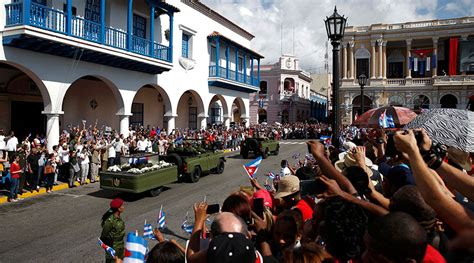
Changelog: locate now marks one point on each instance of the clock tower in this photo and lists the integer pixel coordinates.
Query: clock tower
(289, 62)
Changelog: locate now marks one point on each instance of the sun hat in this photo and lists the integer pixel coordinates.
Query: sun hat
(348, 145)
(288, 185)
(116, 203)
(347, 159)
(230, 248)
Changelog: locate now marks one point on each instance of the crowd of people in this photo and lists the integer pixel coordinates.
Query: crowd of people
(83, 151)
(362, 202)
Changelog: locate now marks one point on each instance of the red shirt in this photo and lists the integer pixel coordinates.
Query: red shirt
(433, 256)
(305, 209)
(15, 171)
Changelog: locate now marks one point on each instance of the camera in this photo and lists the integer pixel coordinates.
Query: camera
(391, 150)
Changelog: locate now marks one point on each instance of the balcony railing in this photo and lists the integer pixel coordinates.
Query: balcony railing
(454, 79)
(232, 75)
(422, 81)
(398, 82)
(56, 21)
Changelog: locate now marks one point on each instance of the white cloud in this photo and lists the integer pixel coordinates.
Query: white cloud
(264, 18)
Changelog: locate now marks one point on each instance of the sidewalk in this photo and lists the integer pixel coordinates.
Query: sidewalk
(42, 190)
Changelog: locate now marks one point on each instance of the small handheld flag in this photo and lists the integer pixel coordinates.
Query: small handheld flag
(271, 175)
(390, 122)
(108, 249)
(383, 120)
(161, 219)
(296, 156)
(148, 231)
(325, 139)
(185, 226)
(135, 248)
(252, 167)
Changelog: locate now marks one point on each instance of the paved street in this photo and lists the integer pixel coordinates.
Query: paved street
(64, 226)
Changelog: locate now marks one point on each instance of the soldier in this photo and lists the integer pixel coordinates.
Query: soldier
(113, 230)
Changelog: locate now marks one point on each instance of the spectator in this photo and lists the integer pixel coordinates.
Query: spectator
(49, 172)
(15, 171)
(113, 229)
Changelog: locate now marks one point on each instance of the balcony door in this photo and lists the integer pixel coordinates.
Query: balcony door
(92, 20)
(139, 31)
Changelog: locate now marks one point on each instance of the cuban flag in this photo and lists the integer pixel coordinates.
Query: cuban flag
(325, 139)
(271, 175)
(383, 120)
(252, 167)
(148, 231)
(108, 249)
(187, 227)
(390, 122)
(135, 249)
(161, 219)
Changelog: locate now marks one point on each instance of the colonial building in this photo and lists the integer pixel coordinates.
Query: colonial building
(425, 64)
(320, 94)
(169, 64)
(284, 94)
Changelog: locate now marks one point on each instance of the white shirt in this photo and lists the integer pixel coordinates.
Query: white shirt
(111, 152)
(149, 147)
(2, 142)
(12, 143)
(141, 145)
(118, 145)
(64, 155)
(284, 172)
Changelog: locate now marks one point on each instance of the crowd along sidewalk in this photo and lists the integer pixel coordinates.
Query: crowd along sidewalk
(42, 190)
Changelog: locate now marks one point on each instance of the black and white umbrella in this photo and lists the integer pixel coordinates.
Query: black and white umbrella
(451, 127)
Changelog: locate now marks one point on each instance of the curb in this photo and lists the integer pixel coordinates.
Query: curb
(42, 190)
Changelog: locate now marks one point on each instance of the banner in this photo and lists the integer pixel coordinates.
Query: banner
(453, 55)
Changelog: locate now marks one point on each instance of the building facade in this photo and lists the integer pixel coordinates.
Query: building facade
(173, 64)
(320, 93)
(284, 95)
(425, 64)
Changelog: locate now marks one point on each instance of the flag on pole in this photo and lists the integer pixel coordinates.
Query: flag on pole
(271, 175)
(161, 219)
(108, 249)
(187, 227)
(383, 119)
(252, 167)
(135, 249)
(325, 139)
(148, 231)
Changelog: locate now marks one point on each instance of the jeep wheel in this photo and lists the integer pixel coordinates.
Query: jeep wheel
(156, 192)
(195, 175)
(277, 151)
(245, 155)
(265, 154)
(220, 166)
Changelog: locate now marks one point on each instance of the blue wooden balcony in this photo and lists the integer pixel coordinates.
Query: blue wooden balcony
(231, 75)
(57, 21)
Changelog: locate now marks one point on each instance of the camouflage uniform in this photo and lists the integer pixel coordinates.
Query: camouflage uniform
(113, 232)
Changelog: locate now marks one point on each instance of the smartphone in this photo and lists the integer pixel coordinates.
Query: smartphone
(258, 206)
(212, 209)
(390, 150)
(312, 187)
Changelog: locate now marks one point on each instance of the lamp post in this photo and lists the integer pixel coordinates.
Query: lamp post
(362, 82)
(335, 26)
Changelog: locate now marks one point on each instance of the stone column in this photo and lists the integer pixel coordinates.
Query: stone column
(372, 59)
(434, 70)
(351, 61)
(203, 120)
(344, 60)
(408, 75)
(227, 121)
(52, 129)
(384, 60)
(124, 124)
(171, 123)
(380, 61)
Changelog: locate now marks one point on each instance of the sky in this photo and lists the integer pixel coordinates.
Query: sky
(303, 19)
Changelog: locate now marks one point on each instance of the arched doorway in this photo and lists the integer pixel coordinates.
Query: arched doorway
(23, 97)
(421, 102)
(356, 105)
(150, 105)
(190, 111)
(396, 100)
(94, 101)
(449, 101)
(238, 110)
(262, 115)
(217, 110)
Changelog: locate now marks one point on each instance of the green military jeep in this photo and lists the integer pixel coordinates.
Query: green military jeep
(139, 173)
(259, 147)
(193, 161)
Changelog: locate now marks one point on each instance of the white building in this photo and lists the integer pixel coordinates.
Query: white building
(284, 94)
(120, 63)
(422, 64)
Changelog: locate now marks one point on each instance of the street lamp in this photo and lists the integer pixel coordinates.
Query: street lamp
(362, 83)
(335, 26)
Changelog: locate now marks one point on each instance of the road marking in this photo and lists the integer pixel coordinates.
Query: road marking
(292, 142)
(71, 195)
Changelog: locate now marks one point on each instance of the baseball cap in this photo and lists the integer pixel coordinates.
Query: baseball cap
(288, 185)
(116, 203)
